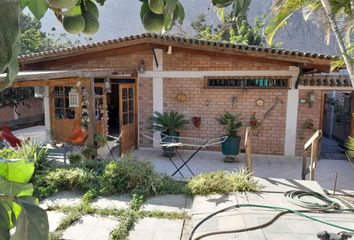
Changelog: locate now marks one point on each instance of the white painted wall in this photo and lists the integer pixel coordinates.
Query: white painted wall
(292, 109)
(157, 88)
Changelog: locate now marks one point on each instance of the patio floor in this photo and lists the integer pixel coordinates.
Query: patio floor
(273, 166)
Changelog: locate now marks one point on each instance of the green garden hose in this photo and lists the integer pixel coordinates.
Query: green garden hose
(295, 197)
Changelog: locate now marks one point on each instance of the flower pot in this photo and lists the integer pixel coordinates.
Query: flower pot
(231, 146)
(172, 138)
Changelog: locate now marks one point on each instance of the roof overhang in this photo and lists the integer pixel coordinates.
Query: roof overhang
(325, 82)
(304, 59)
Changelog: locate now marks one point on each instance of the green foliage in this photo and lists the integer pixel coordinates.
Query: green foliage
(17, 206)
(9, 14)
(54, 180)
(231, 30)
(169, 122)
(157, 15)
(131, 175)
(30, 152)
(282, 10)
(75, 158)
(232, 123)
(222, 182)
(90, 153)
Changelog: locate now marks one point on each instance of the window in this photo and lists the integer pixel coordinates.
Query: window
(247, 82)
(61, 103)
(128, 105)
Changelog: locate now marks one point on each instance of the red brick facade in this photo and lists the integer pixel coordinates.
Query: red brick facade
(210, 103)
(203, 102)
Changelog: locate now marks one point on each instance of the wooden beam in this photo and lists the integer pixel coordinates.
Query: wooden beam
(248, 150)
(91, 111)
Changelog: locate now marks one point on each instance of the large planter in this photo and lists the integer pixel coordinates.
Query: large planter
(231, 146)
(169, 151)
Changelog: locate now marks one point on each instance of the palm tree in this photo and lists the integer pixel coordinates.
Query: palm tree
(334, 15)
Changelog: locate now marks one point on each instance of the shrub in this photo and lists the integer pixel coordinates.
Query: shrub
(75, 158)
(90, 153)
(131, 175)
(63, 179)
(30, 152)
(223, 182)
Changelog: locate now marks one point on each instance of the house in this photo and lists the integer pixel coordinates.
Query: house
(125, 80)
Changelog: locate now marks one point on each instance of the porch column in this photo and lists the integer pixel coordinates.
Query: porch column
(157, 88)
(292, 109)
(46, 107)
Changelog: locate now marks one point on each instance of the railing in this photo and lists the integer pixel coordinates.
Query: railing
(314, 143)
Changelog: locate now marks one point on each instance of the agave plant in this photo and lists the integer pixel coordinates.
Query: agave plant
(232, 123)
(169, 122)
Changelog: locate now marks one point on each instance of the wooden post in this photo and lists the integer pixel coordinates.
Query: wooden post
(314, 143)
(248, 150)
(352, 116)
(91, 111)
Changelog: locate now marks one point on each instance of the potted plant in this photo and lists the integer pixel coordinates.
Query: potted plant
(232, 123)
(168, 123)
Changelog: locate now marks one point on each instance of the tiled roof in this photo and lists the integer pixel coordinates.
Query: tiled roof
(329, 81)
(174, 39)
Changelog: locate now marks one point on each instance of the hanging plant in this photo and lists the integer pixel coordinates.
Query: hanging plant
(84, 111)
(12, 97)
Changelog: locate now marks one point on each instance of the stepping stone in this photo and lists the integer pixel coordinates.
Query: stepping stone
(212, 203)
(65, 198)
(91, 228)
(168, 203)
(54, 219)
(157, 229)
(116, 201)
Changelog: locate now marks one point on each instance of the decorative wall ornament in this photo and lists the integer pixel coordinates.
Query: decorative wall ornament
(197, 121)
(181, 97)
(259, 102)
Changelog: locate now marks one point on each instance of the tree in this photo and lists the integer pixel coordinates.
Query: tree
(230, 30)
(335, 15)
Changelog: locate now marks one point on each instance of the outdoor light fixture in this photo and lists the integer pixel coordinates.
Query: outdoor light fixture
(39, 92)
(169, 50)
(108, 85)
(141, 67)
(73, 98)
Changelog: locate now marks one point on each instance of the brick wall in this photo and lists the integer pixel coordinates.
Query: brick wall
(145, 110)
(307, 113)
(182, 61)
(32, 107)
(210, 103)
(127, 63)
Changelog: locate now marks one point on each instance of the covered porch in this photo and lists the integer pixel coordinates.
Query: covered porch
(97, 101)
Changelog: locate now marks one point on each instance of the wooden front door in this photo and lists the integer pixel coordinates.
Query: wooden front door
(127, 117)
(63, 117)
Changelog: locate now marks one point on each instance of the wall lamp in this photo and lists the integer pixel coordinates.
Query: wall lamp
(141, 67)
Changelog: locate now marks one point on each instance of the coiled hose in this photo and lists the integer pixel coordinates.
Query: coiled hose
(328, 205)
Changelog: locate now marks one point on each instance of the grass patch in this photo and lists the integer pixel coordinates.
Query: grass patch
(163, 215)
(222, 182)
